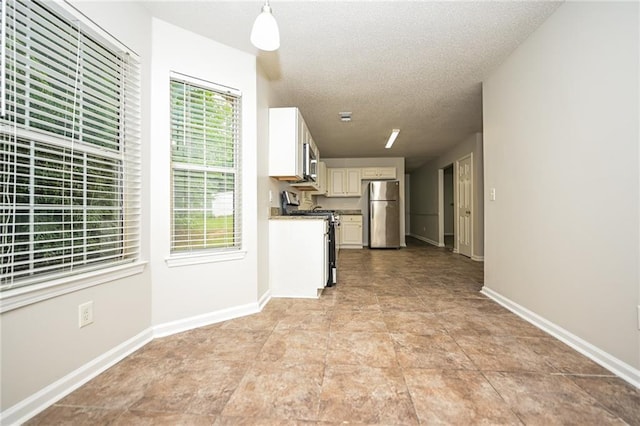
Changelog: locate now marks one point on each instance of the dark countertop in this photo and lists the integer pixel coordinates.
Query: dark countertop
(297, 217)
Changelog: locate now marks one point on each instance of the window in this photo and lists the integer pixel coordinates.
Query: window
(205, 167)
(69, 147)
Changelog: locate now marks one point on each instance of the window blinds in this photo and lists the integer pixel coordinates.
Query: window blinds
(205, 147)
(70, 149)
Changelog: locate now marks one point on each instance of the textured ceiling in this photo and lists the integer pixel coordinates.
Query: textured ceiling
(416, 66)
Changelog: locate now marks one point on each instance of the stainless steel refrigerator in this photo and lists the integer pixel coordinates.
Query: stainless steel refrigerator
(384, 214)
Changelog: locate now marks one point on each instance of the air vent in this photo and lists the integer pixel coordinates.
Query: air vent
(345, 117)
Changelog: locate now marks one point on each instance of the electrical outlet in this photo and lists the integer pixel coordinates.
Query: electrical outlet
(85, 314)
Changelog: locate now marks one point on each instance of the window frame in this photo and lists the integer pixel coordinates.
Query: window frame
(236, 251)
(127, 188)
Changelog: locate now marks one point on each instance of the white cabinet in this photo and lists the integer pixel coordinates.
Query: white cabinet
(343, 182)
(350, 231)
(378, 173)
(298, 264)
(321, 182)
(287, 134)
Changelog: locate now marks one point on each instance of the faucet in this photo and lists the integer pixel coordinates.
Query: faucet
(316, 208)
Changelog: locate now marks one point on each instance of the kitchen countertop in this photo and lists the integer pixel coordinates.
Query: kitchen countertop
(346, 212)
(297, 218)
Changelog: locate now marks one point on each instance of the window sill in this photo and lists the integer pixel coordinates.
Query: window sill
(24, 296)
(196, 259)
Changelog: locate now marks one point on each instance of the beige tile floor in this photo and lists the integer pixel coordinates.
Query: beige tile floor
(404, 339)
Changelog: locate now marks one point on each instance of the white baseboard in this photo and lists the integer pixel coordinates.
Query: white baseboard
(185, 324)
(52, 393)
(477, 258)
(57, 390)
(426, 240)
(608, 361)
(264, 299)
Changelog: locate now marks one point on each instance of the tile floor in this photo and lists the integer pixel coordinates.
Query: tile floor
(404, 339)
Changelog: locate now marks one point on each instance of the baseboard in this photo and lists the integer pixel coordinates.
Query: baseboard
(186, 324)
(52, 393)
(426, 240)
(29, 407)
(264, 299)
(477, 258)
(611, 363)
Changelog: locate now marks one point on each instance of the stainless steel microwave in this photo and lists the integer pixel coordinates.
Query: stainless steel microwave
(310, 163)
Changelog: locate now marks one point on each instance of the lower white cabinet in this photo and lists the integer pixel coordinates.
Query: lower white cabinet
(298, 264)
(350, 231)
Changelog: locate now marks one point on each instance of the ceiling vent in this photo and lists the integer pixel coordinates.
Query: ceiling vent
(345, 117)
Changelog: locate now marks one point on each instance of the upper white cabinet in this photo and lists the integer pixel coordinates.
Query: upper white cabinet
(287, 134)
(370, 173)
(321, 182)
(343, 182)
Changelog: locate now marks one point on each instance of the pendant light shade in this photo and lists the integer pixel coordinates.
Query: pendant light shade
(265, 34)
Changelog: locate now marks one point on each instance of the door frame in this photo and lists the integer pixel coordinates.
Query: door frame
(456, 173)
(441, 235)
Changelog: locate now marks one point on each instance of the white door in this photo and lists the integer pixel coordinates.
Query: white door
(465, 203)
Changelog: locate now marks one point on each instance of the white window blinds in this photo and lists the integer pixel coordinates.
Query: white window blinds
(69, 148)
(205, 163)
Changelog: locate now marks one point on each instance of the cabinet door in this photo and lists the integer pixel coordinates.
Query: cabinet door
(369, 173)
(285, 144)
(351, 233)
(336, 181)
(353, 182)
(322, 179)
(387, 173)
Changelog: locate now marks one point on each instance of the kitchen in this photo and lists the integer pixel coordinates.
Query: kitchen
(334, 191)
(216, 290)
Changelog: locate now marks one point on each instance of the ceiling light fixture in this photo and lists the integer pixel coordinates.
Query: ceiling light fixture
(392, 138)
(265, 34)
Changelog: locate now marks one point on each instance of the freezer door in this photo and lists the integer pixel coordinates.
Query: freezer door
(384, 224)
(384, 190)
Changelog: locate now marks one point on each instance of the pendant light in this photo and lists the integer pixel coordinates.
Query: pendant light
(265, 34)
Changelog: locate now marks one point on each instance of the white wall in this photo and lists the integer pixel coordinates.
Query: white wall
(424, 193)
(361, 203)
(44, 354)
(561, 148)
(41, 343)
(264, 182)
(189, 291)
